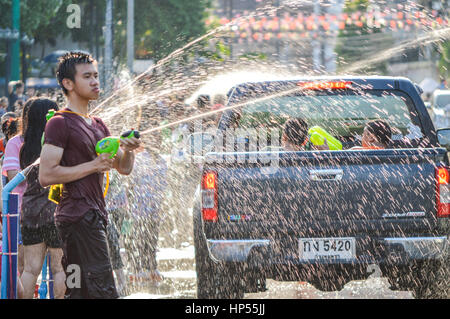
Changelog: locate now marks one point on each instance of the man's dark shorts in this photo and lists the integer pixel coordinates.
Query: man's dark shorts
(85, 245)
(47, 234)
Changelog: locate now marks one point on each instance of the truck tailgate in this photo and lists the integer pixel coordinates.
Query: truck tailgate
(331, 186)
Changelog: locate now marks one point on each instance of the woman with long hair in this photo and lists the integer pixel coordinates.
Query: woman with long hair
(39, 232)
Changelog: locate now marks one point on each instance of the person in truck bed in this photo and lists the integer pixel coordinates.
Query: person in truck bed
(295, 136)
(295, 133)
(377, 135)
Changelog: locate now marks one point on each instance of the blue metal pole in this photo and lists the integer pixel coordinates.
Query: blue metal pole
(5, 251)
(14, 231)
(10, 245)
(10, 255)
(14, 223)
(43, 287)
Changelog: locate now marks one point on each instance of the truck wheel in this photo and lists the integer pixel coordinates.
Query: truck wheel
(215, 280)
(431, 279)
(229, 284)
(255, 281)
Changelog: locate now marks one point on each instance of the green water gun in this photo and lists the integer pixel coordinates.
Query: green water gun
(111, 144)
(317, 136)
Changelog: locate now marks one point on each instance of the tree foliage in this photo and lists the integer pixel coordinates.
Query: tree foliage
(33, 14)
(161, 26)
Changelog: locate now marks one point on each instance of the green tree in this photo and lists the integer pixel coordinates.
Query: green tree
(162, 26)
(40, 20)
(35, 17)
(33, 14)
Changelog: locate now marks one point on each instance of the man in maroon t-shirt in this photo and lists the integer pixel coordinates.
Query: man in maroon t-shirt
(68, 157)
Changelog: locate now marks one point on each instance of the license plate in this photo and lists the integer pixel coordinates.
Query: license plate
(327, 248)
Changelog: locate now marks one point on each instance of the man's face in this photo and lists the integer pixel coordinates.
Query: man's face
(86, 83)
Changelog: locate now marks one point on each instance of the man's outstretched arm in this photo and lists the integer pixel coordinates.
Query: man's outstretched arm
(51, 172)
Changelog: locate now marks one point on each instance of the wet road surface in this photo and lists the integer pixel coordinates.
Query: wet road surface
(178, 268)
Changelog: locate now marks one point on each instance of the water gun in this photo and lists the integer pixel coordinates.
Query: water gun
(111, 145)
(317, 136)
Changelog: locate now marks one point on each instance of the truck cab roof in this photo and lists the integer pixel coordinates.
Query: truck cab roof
(373, 81)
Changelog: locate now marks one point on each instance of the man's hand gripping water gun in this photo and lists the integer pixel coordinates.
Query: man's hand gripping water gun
(110, 146)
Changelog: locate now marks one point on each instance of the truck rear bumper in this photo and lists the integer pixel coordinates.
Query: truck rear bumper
(422, 247)
(391, 249)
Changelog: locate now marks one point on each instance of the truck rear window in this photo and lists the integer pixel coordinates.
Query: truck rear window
(343, 114)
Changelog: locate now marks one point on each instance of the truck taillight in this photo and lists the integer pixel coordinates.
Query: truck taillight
(443, 191)
(209, 196)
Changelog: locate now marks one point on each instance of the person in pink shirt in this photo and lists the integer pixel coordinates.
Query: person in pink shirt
(11, 166)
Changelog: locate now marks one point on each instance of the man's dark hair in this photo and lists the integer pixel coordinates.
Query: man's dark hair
(18, 84)
(296, 131)
(381, 130)
(67, 63)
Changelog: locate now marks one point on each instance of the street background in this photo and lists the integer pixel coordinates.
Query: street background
(156, 57)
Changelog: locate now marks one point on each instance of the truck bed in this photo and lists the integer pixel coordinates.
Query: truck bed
(334, 193)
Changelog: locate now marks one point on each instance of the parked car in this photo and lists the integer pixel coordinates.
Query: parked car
(440, 108)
